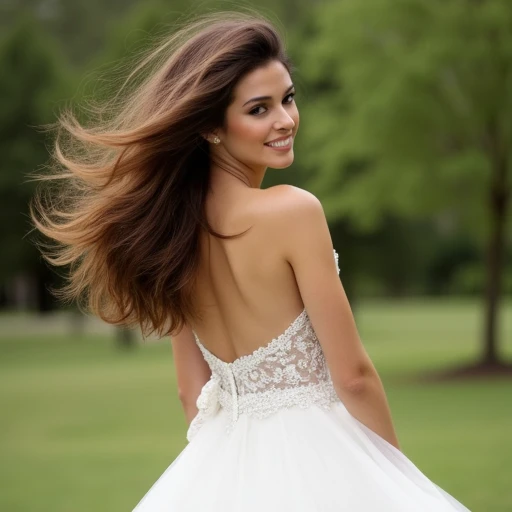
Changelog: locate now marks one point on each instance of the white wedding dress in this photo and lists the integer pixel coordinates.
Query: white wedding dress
(272, 435)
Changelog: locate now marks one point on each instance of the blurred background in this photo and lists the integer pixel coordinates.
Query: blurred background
(406, 137)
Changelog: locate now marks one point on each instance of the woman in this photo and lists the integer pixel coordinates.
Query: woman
(165, 226)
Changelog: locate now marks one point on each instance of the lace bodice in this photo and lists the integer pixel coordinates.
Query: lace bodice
(289, 371)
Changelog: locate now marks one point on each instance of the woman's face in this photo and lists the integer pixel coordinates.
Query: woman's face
(262, 121)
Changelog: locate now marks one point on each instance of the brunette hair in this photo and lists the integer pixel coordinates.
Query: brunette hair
(128, 210)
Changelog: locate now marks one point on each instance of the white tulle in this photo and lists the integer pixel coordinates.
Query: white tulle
(272, 435)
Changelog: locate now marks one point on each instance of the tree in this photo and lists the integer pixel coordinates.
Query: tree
(32, 79)
(412, 115)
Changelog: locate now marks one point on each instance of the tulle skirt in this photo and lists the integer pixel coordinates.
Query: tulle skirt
(297, 460)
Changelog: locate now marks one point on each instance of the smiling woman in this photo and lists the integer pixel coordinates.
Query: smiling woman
(163, 223)
(253, 125)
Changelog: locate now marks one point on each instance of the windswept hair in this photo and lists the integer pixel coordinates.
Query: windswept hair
(128, 208)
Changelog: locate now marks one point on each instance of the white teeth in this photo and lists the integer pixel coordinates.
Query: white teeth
(280, 143)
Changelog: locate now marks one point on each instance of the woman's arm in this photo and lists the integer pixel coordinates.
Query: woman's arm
(308, 247)
(192, 371)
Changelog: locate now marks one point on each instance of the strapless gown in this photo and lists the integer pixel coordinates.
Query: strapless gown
(271, 435)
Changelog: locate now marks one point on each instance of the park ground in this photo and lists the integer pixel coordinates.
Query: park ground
(89, 426)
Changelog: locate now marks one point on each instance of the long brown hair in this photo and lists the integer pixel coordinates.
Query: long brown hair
(128, 208)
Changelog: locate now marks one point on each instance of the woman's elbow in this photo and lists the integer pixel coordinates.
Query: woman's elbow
(188, 404)
(186, 398)
(359, 380)
(355, 387)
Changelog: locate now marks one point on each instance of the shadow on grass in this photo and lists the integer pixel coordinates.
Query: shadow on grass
(474, 371)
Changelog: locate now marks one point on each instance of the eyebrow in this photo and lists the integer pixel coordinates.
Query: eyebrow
(261, 98)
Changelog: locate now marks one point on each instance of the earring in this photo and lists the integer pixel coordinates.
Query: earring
(216, 140)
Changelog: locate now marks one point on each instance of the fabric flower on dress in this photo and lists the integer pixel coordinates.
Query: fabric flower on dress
(208, 404)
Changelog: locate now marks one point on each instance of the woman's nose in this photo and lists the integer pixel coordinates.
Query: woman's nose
(284, 121)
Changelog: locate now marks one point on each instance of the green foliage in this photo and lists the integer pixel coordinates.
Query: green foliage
(32, 80)
(80, 27)
(404, 98)
(83, 28)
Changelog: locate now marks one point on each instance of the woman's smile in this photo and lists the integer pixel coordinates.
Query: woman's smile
(281, 144)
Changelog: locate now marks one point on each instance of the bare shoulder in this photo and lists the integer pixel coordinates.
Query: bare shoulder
(291, 195)
(287, 203)
(290, 215)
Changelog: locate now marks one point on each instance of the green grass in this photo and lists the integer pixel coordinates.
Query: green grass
(87, 427)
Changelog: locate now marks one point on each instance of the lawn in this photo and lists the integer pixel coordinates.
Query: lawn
(88, 427)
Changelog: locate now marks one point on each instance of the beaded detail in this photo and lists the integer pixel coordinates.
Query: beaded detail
(289, 371)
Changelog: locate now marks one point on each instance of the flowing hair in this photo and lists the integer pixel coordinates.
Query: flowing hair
(123, 207)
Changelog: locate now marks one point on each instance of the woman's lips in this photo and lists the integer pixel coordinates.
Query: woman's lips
(283, 144)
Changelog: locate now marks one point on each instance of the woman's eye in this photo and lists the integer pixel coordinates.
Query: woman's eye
(256, 110)
(289, 98)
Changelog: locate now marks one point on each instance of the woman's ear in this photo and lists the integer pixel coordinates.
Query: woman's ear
(208, 136)
(212, 138)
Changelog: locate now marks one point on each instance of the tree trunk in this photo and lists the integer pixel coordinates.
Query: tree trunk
(499, 198)
(125, 338)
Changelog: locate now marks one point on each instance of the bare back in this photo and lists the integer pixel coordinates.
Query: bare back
(246, 290)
